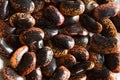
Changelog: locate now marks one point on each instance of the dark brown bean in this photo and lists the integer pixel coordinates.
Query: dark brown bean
(104, 45)
(35, 74)
(109, 29)
(27, 63)
(22, 20)
(72, 8)
(59, 39)
(80, 53)
(23, 5)
(54, 15)
(17, 56)
(68, 61)
(62, 73)
(44, 56)
(112, 62)
(31, 35)
(50, 68)
(106, 10)
(90, 24)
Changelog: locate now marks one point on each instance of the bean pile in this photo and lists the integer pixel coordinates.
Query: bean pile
(59, 39)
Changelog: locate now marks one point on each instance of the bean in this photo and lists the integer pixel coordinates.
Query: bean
(17, 56)
(80, 53)
(30, 35)
(54, 15)
(72, 8)
(18, 19)
(106, 10)
(44, 56)
(50, 68)
(23, 5)
(27, 63)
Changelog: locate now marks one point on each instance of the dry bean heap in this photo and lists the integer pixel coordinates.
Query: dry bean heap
(59, 39)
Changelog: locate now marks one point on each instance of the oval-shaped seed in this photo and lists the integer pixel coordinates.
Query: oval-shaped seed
(80, 53)
(72, 8)
(31, 35)
(50, 68)
(54, 15)
(21, 20)
(105, 45)
(90, 24)
(109, 29)
(26, 6)
(27, 63)
(17, 56)
(44, 56)
(59, 39)
(68, 61)
(106, 10)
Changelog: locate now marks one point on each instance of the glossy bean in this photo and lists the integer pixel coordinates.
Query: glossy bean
(27, 63)
(72, 8)
(31, 35)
